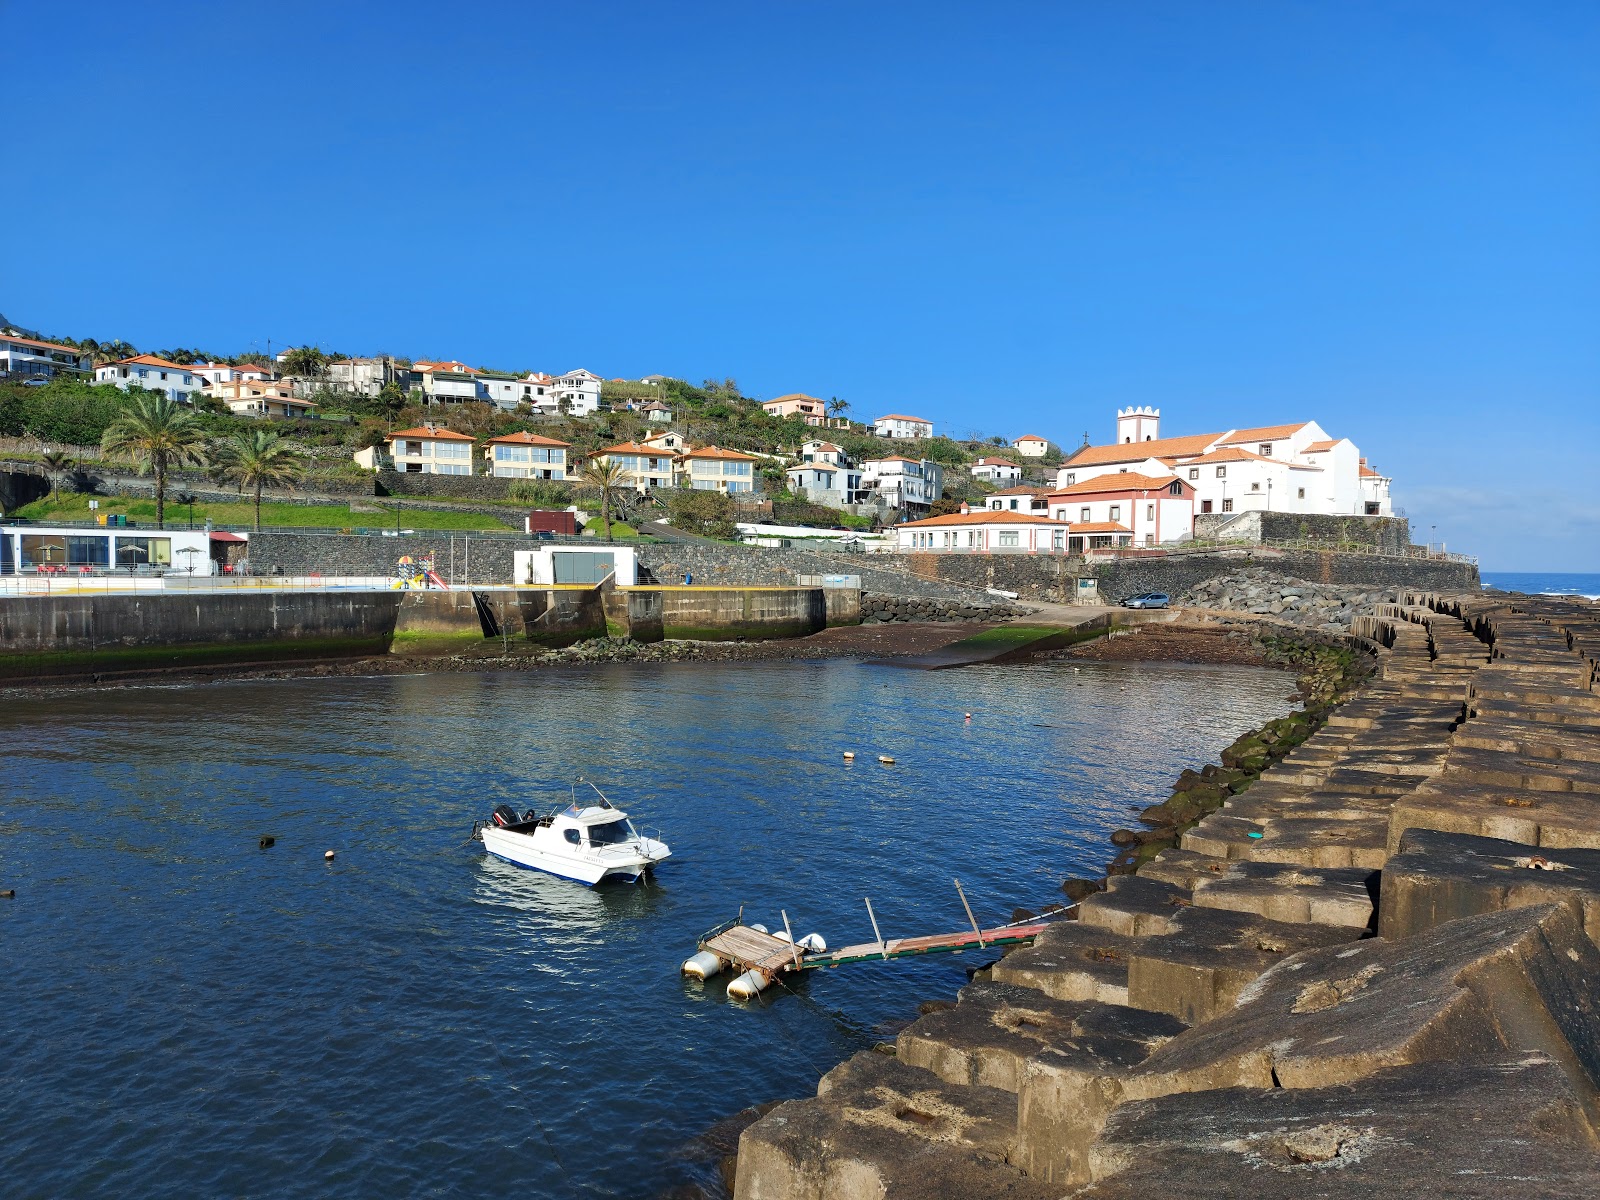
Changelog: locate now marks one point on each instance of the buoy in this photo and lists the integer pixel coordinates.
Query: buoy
(759, 928)
(704, 965)
(748, 986)
(968, 716)
(8, 894)
(849, 756)
(267, 841)
(782, 935)
(813, 942)
(886, 760)
(328, 854)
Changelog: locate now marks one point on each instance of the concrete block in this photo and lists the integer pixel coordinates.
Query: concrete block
(1467, 1131)
(1558, 820)
(1072, 961)
(1439, 877)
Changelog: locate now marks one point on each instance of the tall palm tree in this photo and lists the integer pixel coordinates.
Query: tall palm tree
(305, 361)
(158, 434)
(607, 478)
(55, 462)
(258, 458)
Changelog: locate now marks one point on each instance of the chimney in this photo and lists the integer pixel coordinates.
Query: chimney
(964, 508)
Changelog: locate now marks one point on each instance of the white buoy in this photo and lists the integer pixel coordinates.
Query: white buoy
(759, 928)
(782, 935)
(748, 986)
(704, 965)
(328, 854)
(886, 760)
(849, 756)
(813, 942)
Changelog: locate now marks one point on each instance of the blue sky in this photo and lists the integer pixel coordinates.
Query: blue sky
(1010, 218)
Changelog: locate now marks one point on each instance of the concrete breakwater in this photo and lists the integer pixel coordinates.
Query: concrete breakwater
(1369, 967)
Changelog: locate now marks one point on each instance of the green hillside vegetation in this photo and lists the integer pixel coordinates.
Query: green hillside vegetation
(73, 507)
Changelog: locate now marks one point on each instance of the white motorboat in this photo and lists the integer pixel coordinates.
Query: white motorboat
(587, 841)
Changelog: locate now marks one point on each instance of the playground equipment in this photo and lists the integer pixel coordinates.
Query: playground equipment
(417, 574)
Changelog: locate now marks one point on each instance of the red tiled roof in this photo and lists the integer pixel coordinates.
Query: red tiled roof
(22, 341)
(1265, 433)
(1319, 447)
(423, 433)
(528, 439)
(1122, 481)
(1100, 456)
(1368, 473)
(902, 417)
(984, 516)
(150, 360)
(718, 452)
(1231, 454)
(1100, 527)
(1032, 437)
(635, 448)
(794, 396)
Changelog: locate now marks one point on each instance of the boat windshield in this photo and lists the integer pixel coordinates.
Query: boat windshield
(612, 833)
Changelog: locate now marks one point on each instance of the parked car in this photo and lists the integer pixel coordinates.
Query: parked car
(1147, 600)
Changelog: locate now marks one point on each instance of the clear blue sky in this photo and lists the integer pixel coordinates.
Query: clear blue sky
(1010, 218)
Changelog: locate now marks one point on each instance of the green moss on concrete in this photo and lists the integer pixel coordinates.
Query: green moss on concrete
(106, 660)
(764, 632)
(424, 642)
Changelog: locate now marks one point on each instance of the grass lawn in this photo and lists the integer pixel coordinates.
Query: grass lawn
(75, 507)
(618, 529)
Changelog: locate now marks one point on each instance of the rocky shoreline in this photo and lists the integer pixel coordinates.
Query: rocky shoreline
(1354, 954)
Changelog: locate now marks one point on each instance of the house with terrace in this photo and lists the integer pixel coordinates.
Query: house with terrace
(996, 470)
(28, 358)
(260, 398)
(1020, 498)
(427, 450)
(981, 531)
(175, 380)
(1131, 508)
(898, 425)
(643, 466)
(712, 468)
(901, 484)
(527, 456)
(798, 404)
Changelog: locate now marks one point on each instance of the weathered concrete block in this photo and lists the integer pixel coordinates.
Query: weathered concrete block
(1467, 1131)
(1134, 905)
(1345, 897)
(881, 1130)
(1519, 771)
(1450, 804)
(988, 1037)
(1477, 989)
(1072, 961)
(1439, 877)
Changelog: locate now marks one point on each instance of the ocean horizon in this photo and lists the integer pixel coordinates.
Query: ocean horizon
(1549, 583)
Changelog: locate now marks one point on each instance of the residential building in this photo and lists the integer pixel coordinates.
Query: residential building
(897, 425)
(825, 475)
(578, 393)
(711, 468)
(983, 530)
(367, 376)
(996, 470)
(450, 366)
(178, 382)
(214, 373)
(527, 456)
(1374, 492)
(1021, 498)
(504, 391)
(259, 398)
(823, 452)
(430, 450)
(798, 404)
(656, 412)
(908, 485)
(1152, 510)
(643, 466)
(668, 440)
(77, 550)
(1031, 445)
(448, 383)
(1294, 467)
(30, 359)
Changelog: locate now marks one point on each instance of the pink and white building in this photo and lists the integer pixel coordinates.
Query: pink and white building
(981, 531)
(1126, 508)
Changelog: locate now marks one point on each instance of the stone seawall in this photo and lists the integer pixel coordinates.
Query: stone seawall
(1370, 968)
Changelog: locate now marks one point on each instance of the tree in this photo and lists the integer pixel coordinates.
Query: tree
(607, 478)
(55, 462)
(157, 434)
(707, 513)
(258, 458)
(390, 400)
(306, 361)
(837, 406)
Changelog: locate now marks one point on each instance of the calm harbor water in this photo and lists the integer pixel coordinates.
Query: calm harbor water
(188, 1015)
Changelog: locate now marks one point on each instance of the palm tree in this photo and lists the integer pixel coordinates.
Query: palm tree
(837, 406)
(158, 434)
(305, 361)
(55, 462)
(257, 458)
(608, 478)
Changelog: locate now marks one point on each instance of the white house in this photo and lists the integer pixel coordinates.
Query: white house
(27, 357)
(78, 550)
(527, 456)
(825, 475)
(367, 376)
(1021, 498)
(983, 530)
(1294, 467)
(996, 470)
(156, 374)
(1374, 492)
(578, 392)
(259, 398)
(214, 373)
(1031, 445)
(1151, 510)
(902, 484)
(897, 425)
(430, 450)
(667, 439)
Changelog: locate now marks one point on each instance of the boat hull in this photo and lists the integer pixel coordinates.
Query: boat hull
(522, 850)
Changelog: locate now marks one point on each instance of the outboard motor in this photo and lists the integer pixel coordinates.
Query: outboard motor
(505, 816)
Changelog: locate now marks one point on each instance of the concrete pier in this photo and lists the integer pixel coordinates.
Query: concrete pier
(1371, 966)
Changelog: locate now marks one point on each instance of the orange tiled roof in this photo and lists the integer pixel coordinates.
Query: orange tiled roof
(423, 433)
(1122, 452)
(429, 368)
(1032, 437)
(794, 396)
(984, 516)
(1231, 454)
(1100, 527)
(1122, 481)
(902, 417)
(1319, 447)
(1368, 473)
(718, 452)
(636, 448)
(22, 341)
(528, 439)
(1265, 433)
(150, 360)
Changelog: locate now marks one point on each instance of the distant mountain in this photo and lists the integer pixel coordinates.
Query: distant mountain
(18, 330)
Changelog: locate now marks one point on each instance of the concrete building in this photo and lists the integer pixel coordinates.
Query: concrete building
(1031, 445)
(897, 425)
(643, 466)
(449, 383)
(669, 440)
(259, 398)
(367, 376)
(430, 450)
(1153, 510)
(527, 456)
(77, 550)
(1021, 498)
(825, 475)
(1374, 491)
(712, 468)
(154, 374)
(1295, 467)
(578, 393)
(214, 373)
(996, 470)
(798, 404)
(907, 485)
(983, 530)
(26, 358)
(656, 412)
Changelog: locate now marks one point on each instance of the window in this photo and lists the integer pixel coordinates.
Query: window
(1194, 472)
(1227, 506)
(1255, 487)
(1058, 540)
(612, 833)
(1266, 450)
(1222, 472)
(1149, 539)
(1149, 512)
(1115, 514)
(144, 552)
(1175, 490)
(1205, 506)
(1083, 513)
(1302, 494)
(1061, 514)
(1008, 537)
(1070, 479)
(1013, 504)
